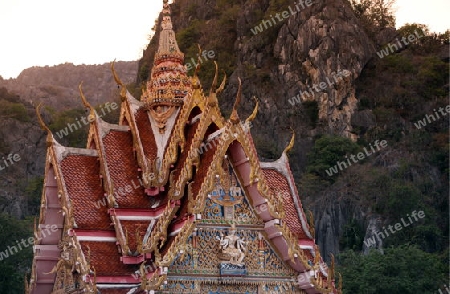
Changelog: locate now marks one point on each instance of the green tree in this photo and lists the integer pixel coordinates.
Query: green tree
(400, 270)
(14, 262)
(327, 151)
(375, 15)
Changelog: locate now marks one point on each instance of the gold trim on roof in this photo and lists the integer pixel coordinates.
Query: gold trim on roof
(43, 126)
(123, 88)
(86, 104)
(234, 115)
(291, 143)
(255, 111)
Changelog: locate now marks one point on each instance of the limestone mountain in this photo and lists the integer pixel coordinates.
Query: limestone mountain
(57, 86)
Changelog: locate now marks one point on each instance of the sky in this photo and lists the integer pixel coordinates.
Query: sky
(50, 32)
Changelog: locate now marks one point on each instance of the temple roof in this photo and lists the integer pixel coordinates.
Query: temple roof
(126, 206)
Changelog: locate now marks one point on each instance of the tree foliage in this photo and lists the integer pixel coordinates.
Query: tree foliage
(400, 270)
(375, 15)
(15, 266)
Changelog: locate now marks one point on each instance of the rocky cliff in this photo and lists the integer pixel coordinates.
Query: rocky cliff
(305, 52)
(309, 65)
(57, 86)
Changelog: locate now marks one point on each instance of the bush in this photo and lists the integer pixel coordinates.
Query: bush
(400, 270)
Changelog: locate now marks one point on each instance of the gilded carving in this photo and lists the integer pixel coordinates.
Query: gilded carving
(233, 247)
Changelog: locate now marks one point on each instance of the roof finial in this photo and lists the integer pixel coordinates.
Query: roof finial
(86, 104)
(291, 143)
(197, 67)
(214, 83)
(123, 90)
(255, 111)
(44, 126)
(234, 115)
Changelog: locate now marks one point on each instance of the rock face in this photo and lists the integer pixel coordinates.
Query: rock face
(57, 86)
(312, 47)
(26, 141)
(295, 69)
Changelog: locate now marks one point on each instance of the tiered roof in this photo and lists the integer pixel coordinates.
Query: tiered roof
(125, 206)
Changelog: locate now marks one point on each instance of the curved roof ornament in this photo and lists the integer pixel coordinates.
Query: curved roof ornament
(197, 67)
(234, 115)
(123, 91)
(291, 143)
(44, 126)
(222, 85)
(86, 104)
(255, 111)
(214, 82)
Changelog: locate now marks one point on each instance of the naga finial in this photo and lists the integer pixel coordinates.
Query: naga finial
(255, 111)
(44, 126)
(86, 104)
(291, 143)
(40, 120)
(234, 115)
(222, 85)
(123, 91)
(214, 82)
(197, 67)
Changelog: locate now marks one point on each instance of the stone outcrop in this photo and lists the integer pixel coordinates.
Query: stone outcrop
(57, 86)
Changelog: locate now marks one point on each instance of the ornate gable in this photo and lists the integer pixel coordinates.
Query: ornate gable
(173, 199)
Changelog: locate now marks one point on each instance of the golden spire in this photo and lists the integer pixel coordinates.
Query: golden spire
(168, 84)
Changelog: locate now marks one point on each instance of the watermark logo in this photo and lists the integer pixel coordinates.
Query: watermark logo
(204, 147)
(380, 235)
(72, 127)
(205, 56)
(123, 191)
(423, 123)
(281, 16)
(355, 158)
(446, 289)
(9, 160)
(322, 86)
(25, 243)
(394, 47)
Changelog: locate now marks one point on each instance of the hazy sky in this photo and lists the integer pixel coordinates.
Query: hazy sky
(49, 32)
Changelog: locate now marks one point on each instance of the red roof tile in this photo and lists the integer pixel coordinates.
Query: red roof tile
(280, 186)
(191, 130)
(82, 177)
(202, 170)
(105, 259)
(123, 169)
(132, 227)
(146, 134)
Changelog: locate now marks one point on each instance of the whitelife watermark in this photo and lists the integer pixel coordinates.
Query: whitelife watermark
(217, 139)
(355, 158)
(393, 46)
(281, 16)
(205, 56)
(446, 289)
(123, 191)
(30, 241)
(370, 242)
(322, 86)
(9, 161)
(72, 127)
(423, 123)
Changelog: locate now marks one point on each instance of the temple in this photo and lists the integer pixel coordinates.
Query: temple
(172, 199)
